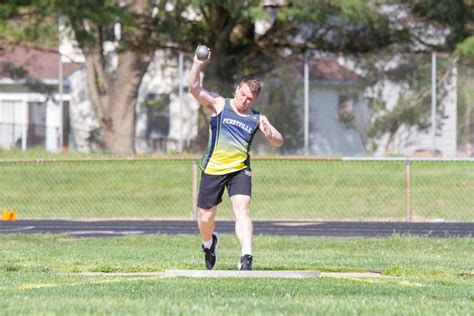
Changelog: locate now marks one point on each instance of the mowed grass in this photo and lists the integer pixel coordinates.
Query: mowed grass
(422, 276)
(282, 190)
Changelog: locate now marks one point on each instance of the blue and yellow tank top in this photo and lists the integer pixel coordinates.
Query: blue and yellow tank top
(230, 137)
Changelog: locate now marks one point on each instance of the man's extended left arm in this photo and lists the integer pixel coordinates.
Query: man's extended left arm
(272, 135)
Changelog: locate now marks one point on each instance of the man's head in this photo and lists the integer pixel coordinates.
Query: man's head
(246, 93)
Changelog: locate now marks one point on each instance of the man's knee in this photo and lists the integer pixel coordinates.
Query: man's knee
(206, 215)
(242, 211)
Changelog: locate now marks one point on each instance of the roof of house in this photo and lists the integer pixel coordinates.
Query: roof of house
(326, 69)
(330, 69)
(24, 61)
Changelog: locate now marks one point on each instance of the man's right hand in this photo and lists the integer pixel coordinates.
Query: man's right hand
(209, 99)
(202, 62)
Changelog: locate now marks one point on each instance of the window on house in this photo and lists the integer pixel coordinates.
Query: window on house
(345, 111)
(345, 103)
(158, 116)
(36, 123)
(11, 123)
(82, 95)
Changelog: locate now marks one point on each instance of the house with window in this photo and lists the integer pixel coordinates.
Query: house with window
(165, 117)
(334, 91)
(341, 106)
(34, 106)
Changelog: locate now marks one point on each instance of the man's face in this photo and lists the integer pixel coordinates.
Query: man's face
(244, 98)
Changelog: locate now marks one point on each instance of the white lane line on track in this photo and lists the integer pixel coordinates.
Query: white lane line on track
(16, 229)
(104, 232)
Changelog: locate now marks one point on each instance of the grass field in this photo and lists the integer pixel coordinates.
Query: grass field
(425, 276)
(282, 190)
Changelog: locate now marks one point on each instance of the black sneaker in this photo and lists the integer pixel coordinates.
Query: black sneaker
(245, 262)
(210, 255)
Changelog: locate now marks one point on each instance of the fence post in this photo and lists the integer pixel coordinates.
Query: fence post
(408, 215)
(306, 103)
(194, 189)
(180, 97)
(433, 103)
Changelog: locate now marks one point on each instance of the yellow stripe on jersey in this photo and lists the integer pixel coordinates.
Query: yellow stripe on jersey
(224, 162)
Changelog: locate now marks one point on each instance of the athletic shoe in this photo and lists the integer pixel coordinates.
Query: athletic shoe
(210, 255)
(245, 262)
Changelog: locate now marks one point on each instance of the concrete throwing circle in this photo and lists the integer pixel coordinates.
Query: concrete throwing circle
(295, 274)
(244, 274)
(212, 274)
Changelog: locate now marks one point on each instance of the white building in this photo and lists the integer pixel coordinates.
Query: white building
(33, 112)
(166, 115)
(335, 84)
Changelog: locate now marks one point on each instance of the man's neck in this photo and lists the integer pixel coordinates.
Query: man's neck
(236, 109)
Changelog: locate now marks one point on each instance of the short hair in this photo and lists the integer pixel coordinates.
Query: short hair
(253, 83)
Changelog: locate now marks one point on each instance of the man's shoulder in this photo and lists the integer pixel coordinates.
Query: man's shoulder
(220, 104)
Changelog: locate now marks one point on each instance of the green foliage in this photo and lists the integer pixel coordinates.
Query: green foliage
(26, 21)
(280, 101)
(466, 48)
(465, 106)
(455, 15)
(349, 26)
(413, 108)
(405, 113)
(347, 118)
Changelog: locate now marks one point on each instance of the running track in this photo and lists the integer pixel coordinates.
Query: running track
(332, 229)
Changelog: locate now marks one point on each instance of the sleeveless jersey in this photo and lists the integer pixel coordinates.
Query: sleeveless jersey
(230, 137)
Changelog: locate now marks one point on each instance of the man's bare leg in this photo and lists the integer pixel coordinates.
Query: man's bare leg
(210, 239)
(243, 223)
(206, 222)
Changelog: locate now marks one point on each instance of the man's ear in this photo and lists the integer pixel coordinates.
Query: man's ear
(236, 86)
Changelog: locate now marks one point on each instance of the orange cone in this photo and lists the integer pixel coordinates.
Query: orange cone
(12, 215)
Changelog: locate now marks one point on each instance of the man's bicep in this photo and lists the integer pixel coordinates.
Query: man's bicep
(263, 123)
(207, 98)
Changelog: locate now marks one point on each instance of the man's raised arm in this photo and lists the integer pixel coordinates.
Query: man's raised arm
(203, 96)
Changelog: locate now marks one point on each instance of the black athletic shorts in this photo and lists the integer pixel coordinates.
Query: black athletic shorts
(212, 187)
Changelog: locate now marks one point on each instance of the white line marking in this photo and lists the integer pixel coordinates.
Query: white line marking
(104, 232)
(297, 224)
(117, 274)
(16, 229)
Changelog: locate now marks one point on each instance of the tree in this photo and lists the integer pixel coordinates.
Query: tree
(427, 26)
(134, 30)
(118, 40)
(465, 51)
(453, 20)
(246, 37)
(252, 37)
(18, 23)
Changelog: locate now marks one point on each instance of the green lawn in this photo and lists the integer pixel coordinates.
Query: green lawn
(282, 190)
(427, 276)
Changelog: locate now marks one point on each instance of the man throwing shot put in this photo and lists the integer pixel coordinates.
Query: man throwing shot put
(226, 163)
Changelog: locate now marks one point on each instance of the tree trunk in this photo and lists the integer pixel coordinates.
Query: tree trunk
(468, 94)
(118, 135)
(114, 97)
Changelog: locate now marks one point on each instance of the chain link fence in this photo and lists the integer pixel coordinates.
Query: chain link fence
(291, 188)
(325, 105)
